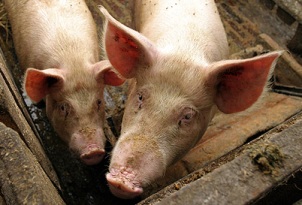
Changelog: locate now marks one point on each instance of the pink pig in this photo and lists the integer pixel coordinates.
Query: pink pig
(57, 42)
(179, 76)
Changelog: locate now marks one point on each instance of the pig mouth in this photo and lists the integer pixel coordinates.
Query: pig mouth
(122, 183)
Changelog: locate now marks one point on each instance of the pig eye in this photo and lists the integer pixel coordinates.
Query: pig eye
(140, 97)
(140, 100)
(186, 116)
(64, 109)
(99, 104)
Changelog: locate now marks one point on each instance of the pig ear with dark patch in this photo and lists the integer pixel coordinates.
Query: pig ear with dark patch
(126, 49)
(39, 83)
(239, 83)
(107, 74)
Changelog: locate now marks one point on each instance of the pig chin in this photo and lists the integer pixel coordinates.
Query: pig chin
(134, 166)
(88, 146)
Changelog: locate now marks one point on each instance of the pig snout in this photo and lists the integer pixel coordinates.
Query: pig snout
(92, 154)
(135, 163)
(89, 146)
(122, 183)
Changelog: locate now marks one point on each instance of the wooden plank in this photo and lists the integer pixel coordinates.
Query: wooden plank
(228, 132)
(22, 179)
(12, 101)
(247, 177)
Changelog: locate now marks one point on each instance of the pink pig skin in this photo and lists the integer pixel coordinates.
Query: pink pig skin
(56, 43)
(179, 76)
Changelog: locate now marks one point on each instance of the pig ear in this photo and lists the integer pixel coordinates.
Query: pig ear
(240, 83)
(126, 49)
(112, 78)
(39, 83)
(105, 73)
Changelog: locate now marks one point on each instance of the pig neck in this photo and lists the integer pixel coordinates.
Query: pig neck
(192, 29)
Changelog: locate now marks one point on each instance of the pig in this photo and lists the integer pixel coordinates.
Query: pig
(179, 74)
(56, 43)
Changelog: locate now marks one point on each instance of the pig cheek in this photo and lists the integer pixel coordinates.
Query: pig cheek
(51, 115)
(189, 136)
(131, 113)
(200, 127)
(57, 120)
(100, 114)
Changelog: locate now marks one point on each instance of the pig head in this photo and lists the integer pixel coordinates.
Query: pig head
(74, 105)
(56, 43)
(178, 78)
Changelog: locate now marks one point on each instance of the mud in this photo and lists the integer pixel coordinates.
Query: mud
(268, 158)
